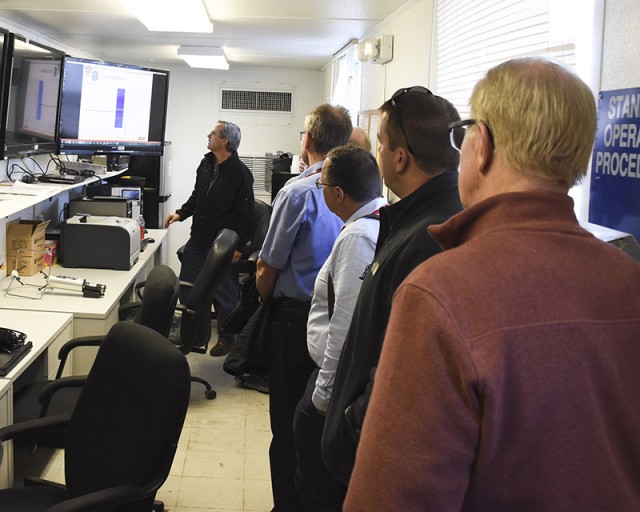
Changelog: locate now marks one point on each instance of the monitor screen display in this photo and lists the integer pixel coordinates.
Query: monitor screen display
(112, 108)
(32, 93)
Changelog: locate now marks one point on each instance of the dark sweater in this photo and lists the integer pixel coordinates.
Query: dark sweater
(228, 203)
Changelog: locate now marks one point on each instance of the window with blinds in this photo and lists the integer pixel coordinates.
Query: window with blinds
(473, 36)
(346, 79)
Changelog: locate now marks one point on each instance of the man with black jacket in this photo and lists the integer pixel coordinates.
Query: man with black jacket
(420, 167)
(222, 198)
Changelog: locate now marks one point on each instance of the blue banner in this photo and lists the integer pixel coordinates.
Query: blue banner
(615, 168)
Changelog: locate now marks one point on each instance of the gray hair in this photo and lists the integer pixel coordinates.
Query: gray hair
(231, 132)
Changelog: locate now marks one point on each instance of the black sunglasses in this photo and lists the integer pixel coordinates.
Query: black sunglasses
(396, 95)
(458, 129)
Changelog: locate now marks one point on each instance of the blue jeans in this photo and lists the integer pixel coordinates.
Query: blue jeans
(227, 295)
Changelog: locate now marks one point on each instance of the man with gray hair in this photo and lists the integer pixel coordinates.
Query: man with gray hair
(508, 378)
(222, 198)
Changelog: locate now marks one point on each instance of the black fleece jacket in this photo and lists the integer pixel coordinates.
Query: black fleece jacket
(228, 203)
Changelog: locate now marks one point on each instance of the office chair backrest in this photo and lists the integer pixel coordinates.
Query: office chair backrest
(200, 297)
(127, 422)
(159, 299)
(262, 216)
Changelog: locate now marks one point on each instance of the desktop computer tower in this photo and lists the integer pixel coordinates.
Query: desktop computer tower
(156, 171)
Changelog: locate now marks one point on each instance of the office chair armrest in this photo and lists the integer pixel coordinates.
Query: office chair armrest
(32, 426)
(186, 283)
(97, 500)
(56, 385)
(83, 341)
(247, 267)
(138, 289)
(128, 311)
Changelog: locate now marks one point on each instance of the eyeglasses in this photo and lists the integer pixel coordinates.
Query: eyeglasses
(458, 129)
(320, 184)
(396, 95)
(302, 134)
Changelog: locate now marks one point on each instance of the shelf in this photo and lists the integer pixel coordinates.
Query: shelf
(20, 195)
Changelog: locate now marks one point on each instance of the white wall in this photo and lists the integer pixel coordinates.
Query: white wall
(194, 109)
(621, 45)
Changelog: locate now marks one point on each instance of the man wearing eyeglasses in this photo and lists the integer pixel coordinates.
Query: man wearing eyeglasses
(522, 392)
(421, 168)
(222, 198)
(301, 234)
(352, 188)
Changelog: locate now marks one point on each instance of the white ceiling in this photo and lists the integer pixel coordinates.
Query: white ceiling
(272, 33)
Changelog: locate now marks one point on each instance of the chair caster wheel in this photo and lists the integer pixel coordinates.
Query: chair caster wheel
(211, 394)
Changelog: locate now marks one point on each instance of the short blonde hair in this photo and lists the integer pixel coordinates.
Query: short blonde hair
(541, 115)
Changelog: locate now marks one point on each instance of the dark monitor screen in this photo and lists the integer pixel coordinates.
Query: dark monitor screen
(112, 108)
(32, 93)
(4, 36)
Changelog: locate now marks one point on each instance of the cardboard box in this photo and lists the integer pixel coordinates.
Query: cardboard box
(28, 235)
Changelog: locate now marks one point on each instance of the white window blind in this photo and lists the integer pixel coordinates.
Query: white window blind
(346, 79)
(473, 36)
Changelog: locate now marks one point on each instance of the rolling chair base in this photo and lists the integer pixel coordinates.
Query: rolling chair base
(208, 391)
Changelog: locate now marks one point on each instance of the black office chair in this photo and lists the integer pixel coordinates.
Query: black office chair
(123, 433)
(249, 299)
(195, 313)
(248, 304)
(157, 296)
(262, 216)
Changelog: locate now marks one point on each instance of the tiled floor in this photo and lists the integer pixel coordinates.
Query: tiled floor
(222, 461)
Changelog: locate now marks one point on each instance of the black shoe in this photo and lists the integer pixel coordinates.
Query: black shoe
(222, 348)
(258, 382)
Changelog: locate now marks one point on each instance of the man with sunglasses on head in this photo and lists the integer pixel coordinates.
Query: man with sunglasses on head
(522, 392)
(420, 167)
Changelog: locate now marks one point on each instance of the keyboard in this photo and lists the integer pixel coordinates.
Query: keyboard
(60, 180)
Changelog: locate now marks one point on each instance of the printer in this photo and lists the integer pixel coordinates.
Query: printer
(92, 241)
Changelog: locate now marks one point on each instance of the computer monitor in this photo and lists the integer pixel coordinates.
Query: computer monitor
(112, 108)
(31, 95)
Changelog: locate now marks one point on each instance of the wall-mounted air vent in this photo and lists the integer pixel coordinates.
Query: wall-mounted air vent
(256, 101)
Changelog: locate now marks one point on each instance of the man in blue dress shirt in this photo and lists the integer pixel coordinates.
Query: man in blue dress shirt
(300, 237)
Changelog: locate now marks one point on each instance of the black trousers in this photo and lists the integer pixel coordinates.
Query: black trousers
(319, 490)
(291, 367)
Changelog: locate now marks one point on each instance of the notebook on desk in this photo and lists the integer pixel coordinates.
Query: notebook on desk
(9, 360)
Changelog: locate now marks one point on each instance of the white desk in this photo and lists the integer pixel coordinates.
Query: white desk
(47, 332)
(91, 316)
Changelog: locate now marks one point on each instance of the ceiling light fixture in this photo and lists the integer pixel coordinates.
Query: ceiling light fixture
(171, 16)
(209, 57)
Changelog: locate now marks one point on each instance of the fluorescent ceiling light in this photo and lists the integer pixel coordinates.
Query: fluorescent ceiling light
(171, 15)
(210, 57)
